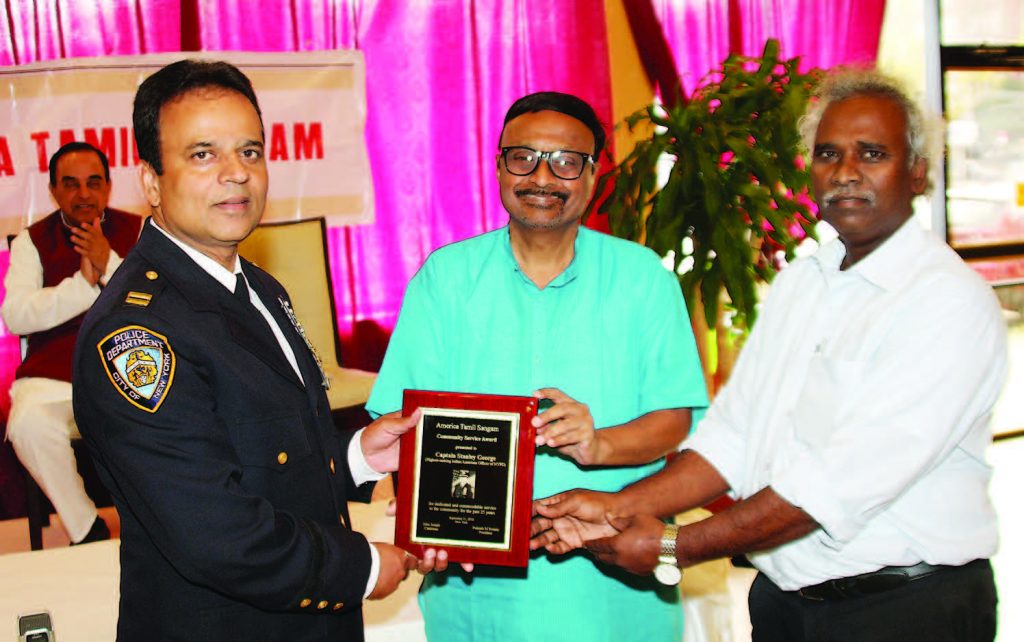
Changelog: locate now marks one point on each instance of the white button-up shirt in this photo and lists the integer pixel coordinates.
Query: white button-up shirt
(864, 397)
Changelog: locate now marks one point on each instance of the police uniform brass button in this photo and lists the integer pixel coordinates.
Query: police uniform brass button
(321, 604)
(152, 276)
(282, 457)
(332, 465)
(306, 602)
(338, 606)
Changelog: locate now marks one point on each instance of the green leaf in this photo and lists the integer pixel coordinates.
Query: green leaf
(720, 205)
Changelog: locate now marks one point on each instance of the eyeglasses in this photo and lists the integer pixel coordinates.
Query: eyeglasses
(564, 164)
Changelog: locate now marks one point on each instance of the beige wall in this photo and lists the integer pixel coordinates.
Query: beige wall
(630, 88)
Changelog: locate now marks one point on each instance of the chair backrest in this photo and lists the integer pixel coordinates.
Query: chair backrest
(295, 253)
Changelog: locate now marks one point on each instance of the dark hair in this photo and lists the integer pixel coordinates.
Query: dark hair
(173, 81)
(76, 147)
(562, 103)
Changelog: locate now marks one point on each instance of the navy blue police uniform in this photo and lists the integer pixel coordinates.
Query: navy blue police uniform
(228, 473)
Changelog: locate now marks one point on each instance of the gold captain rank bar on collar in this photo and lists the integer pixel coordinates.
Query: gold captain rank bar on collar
(140, 299)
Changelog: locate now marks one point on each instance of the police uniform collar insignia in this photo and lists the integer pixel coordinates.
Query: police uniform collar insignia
(140, 299)
(287, 307)
(140, 365)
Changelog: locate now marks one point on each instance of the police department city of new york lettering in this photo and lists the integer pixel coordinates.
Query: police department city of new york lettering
(140, 365)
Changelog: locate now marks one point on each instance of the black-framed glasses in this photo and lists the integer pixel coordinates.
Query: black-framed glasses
(563, 163)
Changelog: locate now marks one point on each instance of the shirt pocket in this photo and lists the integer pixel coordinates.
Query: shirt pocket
(823, 402)
(276, 442)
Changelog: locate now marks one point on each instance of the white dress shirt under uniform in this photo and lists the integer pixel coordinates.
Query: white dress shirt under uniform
(361, 471)
(864, 397)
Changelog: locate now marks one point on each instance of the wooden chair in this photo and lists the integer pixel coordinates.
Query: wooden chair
(295, 253)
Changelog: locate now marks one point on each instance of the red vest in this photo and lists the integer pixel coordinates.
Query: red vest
(49, 351)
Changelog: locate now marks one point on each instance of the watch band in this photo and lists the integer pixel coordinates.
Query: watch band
(668, 540)
(667, 571)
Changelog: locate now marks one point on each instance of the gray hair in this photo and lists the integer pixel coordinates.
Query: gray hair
(849, 83)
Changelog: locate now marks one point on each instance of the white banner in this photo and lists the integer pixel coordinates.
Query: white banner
(314, 112)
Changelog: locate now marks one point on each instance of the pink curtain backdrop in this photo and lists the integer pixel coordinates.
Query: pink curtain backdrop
(34, 30)
(824, 33)
(440, 76)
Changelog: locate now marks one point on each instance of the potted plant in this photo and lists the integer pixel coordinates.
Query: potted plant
(734, 203)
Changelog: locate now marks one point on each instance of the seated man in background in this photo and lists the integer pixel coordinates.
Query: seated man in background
(58, 266)
(853, 430)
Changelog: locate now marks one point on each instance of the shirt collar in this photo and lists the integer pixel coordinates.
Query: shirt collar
(888, 266)
(223, 276)
(570, 272)
(69, 225)
(830, 255)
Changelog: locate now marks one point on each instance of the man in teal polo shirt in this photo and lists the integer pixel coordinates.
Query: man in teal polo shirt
(546, 307)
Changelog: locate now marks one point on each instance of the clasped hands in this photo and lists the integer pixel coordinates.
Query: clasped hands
(603, 524)
(578, 519)
(93, 247)
(562, 523)
(599, 522)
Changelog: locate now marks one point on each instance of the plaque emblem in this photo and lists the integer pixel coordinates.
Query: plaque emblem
(139, 364)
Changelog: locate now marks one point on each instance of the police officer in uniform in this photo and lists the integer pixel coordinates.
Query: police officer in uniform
(205, 408)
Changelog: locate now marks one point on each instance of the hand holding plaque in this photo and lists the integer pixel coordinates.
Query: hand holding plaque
(466, 477)
(567, 425)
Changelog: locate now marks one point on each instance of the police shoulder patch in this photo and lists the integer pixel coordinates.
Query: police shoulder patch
(140, 364)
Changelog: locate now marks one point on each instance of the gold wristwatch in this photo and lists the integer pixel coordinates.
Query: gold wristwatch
(667, 571)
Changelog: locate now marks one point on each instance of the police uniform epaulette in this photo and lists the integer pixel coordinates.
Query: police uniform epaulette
(139, 291)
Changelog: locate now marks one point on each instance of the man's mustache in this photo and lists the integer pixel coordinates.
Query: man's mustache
(838, 194)
(536, 191)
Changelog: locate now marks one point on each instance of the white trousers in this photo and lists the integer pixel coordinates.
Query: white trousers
(40, 427)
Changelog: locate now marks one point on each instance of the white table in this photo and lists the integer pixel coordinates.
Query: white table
(79, 587)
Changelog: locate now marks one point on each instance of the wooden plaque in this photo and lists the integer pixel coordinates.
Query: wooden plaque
(465, 482)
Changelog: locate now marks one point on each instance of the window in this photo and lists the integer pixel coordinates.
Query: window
(982, 62)
(980, 54)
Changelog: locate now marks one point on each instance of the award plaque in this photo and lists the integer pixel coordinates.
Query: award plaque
(465, 480)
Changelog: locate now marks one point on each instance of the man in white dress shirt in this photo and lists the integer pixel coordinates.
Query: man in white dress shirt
(854, 427)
